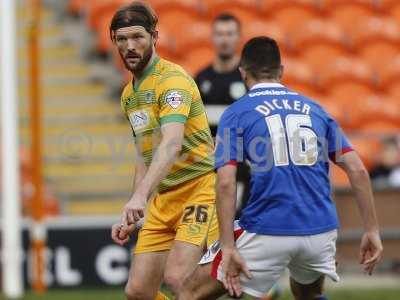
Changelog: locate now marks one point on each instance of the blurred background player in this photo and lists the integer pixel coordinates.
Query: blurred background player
(220, 83)
(174, 185)
(290, 220)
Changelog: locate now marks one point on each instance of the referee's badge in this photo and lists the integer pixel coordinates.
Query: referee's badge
(174, 99)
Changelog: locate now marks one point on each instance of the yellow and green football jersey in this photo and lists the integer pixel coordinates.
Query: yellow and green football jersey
(164, 94)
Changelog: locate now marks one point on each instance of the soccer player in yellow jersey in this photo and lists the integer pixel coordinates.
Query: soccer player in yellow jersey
(174, 172)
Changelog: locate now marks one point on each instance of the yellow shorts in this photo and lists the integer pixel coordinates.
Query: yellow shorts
(185, 213)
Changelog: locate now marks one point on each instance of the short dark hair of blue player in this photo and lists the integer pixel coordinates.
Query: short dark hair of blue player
(226, 17)
(261, 58)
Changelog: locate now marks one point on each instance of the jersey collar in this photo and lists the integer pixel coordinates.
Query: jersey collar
(266, 85)
(146, 73)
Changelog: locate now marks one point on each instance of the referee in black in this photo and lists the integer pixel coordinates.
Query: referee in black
(220, 83)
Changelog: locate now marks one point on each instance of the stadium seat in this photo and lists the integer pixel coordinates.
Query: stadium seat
(345, 13)
(380, 128)
(379, 53)
(269, 28)
(96, 10)
(190, 36)
(319, 54)
(367, 148)
(334, 108)
(199, 57)
(317, 30)
(297, 71)
(288, 17)
(269, 7)
(104, 42)
(165, 41)
(330, 5)
(347, 95)
(394, 10)
(176, 19)
(371, 109)
(343, 69)
(386, 6)
(370, 29)
(389, 74)
(160, 6)
(237, 7)
(393, 91)
(245, 15)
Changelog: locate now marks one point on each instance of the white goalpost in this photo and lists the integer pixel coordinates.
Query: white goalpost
(11, 254)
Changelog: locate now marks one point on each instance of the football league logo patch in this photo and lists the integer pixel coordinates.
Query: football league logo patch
(174, 99)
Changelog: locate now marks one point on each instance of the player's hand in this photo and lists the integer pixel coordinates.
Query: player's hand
(120, 233)
(233, 265)
(134, 209)
(370, 250)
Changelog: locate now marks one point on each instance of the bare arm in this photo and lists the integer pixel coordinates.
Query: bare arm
(140, 169)
(371, 246)
(163, 160)
(226, 203)
(360, 183)
(232, 262)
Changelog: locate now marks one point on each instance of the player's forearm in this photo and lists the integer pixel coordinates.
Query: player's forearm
(163, 160)
(361, 185)
(140, 172)
(226, 208)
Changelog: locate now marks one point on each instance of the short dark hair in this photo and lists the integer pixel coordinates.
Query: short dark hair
(226, 17)
(261, 58)
(136, 13)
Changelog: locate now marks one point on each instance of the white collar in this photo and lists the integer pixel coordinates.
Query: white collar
(265, 85)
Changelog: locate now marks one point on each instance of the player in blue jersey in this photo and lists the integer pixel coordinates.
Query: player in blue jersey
(290, 220)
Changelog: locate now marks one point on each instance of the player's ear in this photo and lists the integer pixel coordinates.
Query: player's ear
(112, 36)
(155, 37)
(280, 72)
(243, 73)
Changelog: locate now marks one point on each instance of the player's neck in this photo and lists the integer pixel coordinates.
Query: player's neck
(226, 66)
(138, 75)
(251, 83)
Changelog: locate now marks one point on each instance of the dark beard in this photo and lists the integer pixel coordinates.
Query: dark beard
(143, 63)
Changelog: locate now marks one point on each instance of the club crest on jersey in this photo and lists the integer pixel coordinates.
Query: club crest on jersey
(174, 99)
(139, 119)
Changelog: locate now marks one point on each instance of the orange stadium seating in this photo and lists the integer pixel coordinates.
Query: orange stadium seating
(379, 53)
(316, 31)
(271, 28)
(344, 13)
(344, 54)
(269, 7)
(343, 68)
(288, 17)
(320, 60)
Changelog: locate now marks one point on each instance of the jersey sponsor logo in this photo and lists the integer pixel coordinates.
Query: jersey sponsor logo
(271, 93)
(174, 99)
(139, 119)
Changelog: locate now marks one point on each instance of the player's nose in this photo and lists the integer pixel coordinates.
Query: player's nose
(131, 44)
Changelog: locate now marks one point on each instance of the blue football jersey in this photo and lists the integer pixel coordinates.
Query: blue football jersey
(288, 140)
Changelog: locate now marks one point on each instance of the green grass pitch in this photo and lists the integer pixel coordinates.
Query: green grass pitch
(109, 294)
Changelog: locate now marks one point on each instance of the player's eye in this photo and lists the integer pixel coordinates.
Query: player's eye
(121, 39)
